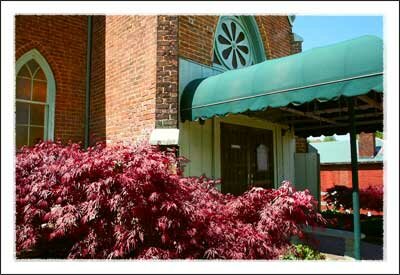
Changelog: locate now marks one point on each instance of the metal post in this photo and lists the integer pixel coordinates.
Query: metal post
(354, 173)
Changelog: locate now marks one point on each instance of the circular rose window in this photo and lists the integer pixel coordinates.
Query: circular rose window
(232, 44)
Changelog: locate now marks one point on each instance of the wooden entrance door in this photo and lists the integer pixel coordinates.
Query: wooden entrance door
(246, 158)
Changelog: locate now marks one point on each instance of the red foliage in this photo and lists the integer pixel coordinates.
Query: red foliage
(133, 202)
(340, 196)
(372, 198)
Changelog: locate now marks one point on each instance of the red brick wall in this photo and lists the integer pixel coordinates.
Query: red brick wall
(167, 72)
(134, 75)
(62, 42)
(368, 175)
(129, 77)
(196, 36)
(276, 33)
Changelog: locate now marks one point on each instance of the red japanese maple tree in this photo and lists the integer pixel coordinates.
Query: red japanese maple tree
(133, 202)
(340, 196)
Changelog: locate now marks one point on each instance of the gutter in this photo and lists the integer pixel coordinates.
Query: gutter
(88, 77)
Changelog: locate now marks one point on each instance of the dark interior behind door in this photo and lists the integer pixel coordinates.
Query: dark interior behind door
(246, 158)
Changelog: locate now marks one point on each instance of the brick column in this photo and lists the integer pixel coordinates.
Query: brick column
(167, 72)
(366, 145)
(130, 58)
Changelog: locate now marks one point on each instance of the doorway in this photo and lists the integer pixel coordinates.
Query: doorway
(246, 158)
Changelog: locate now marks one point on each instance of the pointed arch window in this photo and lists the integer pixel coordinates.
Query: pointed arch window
(34, 100)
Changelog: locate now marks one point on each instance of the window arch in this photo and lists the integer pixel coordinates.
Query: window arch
(237, 43)
(34, 99)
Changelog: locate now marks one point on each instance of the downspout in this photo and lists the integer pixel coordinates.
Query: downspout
(88, 76)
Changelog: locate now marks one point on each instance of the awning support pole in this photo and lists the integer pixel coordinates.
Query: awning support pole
(354, 173)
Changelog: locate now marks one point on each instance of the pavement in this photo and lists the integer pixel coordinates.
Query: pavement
(334, 257)
(334, 249)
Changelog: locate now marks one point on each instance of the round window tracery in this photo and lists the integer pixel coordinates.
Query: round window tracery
(232, 45)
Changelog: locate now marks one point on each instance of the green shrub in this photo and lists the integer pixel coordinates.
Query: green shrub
(302, 252)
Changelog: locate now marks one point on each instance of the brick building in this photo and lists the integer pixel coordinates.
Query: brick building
(122, 78)
(335, 163)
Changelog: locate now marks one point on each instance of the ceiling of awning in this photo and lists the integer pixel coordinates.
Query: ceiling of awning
(321, 77)
(317, 118)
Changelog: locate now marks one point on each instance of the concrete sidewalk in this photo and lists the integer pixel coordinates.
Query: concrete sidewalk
(334, 248)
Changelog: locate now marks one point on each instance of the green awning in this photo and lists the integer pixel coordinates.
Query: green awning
(349, 68)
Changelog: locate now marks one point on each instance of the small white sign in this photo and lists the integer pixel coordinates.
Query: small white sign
(164, 137)
(262, 157)
(235, 146)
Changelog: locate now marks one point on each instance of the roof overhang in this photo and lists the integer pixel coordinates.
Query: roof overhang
(320, 77)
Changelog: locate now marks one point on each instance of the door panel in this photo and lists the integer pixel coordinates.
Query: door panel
(234, 159)
(246, 158)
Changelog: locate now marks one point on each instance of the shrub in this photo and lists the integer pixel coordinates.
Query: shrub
(133, 202)
(340, 196)
(302, 252)
(372, 198)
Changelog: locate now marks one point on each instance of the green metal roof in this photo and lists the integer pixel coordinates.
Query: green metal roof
(349, 68)
(339, 151)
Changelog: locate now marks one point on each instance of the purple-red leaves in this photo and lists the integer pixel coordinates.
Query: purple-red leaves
(340, 197)
(133, 202)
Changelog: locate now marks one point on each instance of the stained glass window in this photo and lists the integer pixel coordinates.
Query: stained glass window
(31, 104)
